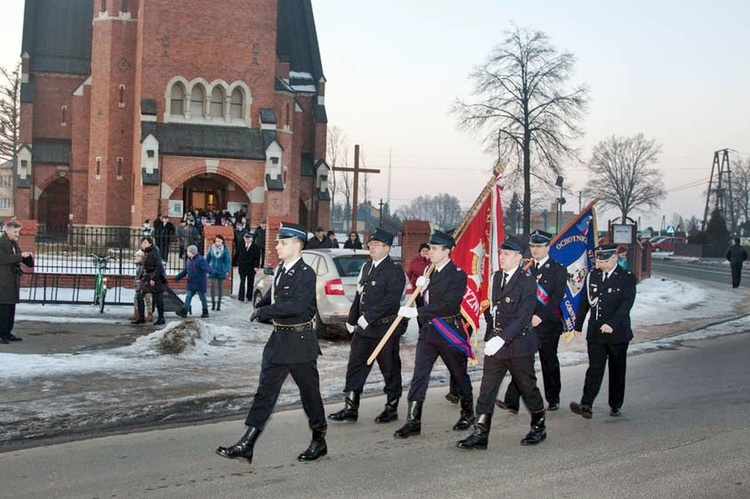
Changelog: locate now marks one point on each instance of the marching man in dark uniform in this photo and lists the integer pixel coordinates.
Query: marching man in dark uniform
(551, 280)
(292, 348)
(610, 293)
(510, 346)
(442, 295)
(380, 286)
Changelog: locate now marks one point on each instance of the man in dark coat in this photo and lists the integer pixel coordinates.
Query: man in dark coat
(153, 281)
(380, 286)
(609, 296)
(260, 241)
(319, 240)
(164, 235)
(736, 254)
(510, 346)
(442, 295)
(248, 261)
(11, 258)
(291, 349)
(551, 280)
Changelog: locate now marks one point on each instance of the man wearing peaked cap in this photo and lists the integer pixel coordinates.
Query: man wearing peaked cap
(513, 244)
(609, 296)
(292, 348)
(551, 280)
(248, 260)
(375, 306)
(443, 293)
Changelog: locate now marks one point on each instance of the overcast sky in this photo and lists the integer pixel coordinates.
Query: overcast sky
(677, 71)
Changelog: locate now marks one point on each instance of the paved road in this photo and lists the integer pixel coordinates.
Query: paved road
(684, 434)
(713, 272)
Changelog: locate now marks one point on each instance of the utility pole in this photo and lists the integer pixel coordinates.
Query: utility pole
(580, 201)
(720, 187)
(380, 222)
(357, 170)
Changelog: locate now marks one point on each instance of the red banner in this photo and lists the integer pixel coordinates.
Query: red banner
(476, 253)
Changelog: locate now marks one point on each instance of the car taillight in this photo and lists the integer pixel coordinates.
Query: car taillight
(334, 287)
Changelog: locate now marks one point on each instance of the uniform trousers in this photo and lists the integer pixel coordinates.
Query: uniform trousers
(272, 377)
(388, 359)
(522, 371)
(428, 350)
(599, 354)
(550, 370)
(7, 318)
(736, 274)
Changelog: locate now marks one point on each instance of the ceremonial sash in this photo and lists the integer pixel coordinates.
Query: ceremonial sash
(543, 297)
(456, 340)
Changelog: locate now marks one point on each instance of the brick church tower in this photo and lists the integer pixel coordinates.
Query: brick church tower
(133, 108)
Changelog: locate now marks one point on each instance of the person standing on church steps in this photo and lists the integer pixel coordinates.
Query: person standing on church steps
(551, 280)
(260, 241)
(736, 255)
(292, 348)
(374, 308)
(510, 346)
(248, 261)
(442, 294)
(609, 296)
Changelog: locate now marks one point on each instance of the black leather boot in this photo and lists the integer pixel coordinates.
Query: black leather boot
(478, 439)
(467, 415)
(204, 314)
(182, 313)
(350, 412)
(213, 304)
(390, 413)
(413, 425)
(218, 305)
(538, 429)
(244, 448)
(318, 447)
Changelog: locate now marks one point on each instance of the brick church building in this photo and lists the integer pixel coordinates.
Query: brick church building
(131, 108)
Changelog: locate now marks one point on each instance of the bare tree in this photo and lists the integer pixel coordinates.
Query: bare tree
(524, 108)
(621, 174)
(442, 210)
(338, 152)
(10, 112)
(741, 191)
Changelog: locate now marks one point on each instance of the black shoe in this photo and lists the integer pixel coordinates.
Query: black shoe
(390, 412)
(204, 315)
(581, 409)
(538, 431)
(478, 439)
(615, 412)
(467, 415)
(553, 406)
(182, 313)
(510, 408)
(414, 424)
(317, 449)
(139, 321)
(452, 398)
(159, 321)
(244, 448)
(350, 412)
(218, 307)
(213, 306)
(4, 340)
(240, 299)
(13, 337)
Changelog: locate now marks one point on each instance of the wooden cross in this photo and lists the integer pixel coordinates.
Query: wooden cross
(356, 171)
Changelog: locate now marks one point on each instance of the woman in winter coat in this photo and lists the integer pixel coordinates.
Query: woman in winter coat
(11, 258)
(195, 269)
(219, 259)
(353, 242)
(153, 280)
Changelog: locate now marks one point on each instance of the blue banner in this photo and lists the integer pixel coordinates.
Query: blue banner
(574, 247)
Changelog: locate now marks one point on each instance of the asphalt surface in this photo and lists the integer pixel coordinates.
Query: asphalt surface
(684, 433)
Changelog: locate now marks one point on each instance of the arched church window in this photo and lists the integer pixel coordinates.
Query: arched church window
(197, 97)
(217, 102)
(177, 98)
(237, 104)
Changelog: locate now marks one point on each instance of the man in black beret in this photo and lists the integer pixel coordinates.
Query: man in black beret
(610, 294)
(551, 281)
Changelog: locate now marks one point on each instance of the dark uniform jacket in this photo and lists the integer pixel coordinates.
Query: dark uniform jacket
(609, 303)
(248, 259)
(553, 277)
(736, 254)
(294, 303)
(513, 307)
(378, 297)
(10, 270)
(446, 291)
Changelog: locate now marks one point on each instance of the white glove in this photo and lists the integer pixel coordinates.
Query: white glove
(493, 346)
(408, 312)
(350, 328)
(362, 322)
(422, 282)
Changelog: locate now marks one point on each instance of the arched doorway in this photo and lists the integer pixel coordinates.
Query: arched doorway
(54, 205)
(209, 192)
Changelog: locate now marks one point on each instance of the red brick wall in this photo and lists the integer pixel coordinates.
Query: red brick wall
(79, 166)
(51, 92)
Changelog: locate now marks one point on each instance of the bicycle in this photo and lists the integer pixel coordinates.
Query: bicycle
(100, 282)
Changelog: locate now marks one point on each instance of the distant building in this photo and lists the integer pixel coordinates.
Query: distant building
(546, 220)
(131, 108)
(6, 189)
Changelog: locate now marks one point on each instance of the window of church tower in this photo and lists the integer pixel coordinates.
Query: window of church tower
(235, 110)
(177, 98)
(217, 103)
(119, 169)
(197, 97)
(124, 7)
(64, 116)
(103, 6)
(121, 102)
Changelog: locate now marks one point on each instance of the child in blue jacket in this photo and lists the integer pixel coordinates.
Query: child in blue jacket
(196, 269)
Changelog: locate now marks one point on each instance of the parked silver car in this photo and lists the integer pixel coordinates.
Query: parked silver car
(337, 271)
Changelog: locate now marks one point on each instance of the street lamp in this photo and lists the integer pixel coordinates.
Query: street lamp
(560, 202)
